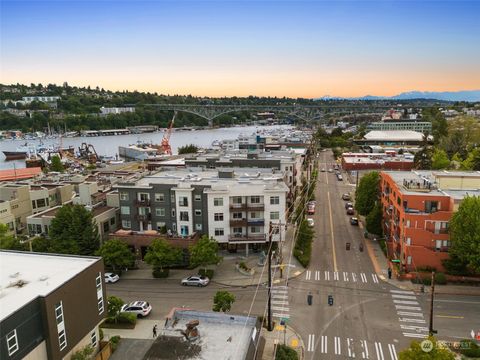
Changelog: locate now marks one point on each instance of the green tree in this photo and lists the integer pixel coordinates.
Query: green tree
(439, 123)
(472, 162)
(204, 252)
(285, 352)
(73, 231)
(374, 220)
(114, 305)
(9, 242)
(188, 149)
(465, 233)
(223, 301)
(440, 159)
(367, 193)
(56, 164)
(415, 352)
(83, 354)
(116, 254)
(161, 254)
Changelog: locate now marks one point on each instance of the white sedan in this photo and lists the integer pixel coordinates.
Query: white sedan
(196, 280)
(111, 278)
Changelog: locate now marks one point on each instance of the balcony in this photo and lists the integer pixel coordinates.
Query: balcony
(238, 222)
(255, 206)
(256, 222)
(433, 230)
(244, 237)
(145, 202)
(237, 206)
(144, 217)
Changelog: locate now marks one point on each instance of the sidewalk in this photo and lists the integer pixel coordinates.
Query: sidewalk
(280, 336)
(226, 274)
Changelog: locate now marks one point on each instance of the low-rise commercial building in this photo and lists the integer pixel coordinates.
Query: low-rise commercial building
(389, 160)
(51, 305)
(417, 208)
(419, 126)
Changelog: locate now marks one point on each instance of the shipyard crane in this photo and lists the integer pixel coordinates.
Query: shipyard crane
(167, 149)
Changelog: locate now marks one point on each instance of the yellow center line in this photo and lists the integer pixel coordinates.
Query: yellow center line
(449, 316)
(331, 233)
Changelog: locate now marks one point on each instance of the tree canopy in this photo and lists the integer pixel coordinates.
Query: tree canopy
(204, 252)
(223, 301)
(73, 231)
(56, 164)
(440, 159)
(465, 233)
(187, 149)
(373, 221)
(367, 193)
(116, 254)
(415, 352)
(8, 241)
(161, 254)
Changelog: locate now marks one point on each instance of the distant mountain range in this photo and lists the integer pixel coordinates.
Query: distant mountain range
(467, 95)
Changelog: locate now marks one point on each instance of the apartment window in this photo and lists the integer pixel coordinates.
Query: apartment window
(159, 197)
(219, 232)
(198, 197)
(183, 215)
(198, 212)
(274, 215)
(182, 201)
(12, 342)
(409, 260)
(198, 227)
(62, 339)
(407, 223)
(218, 202)
(218, 216)
(173, 212)
(34, 204)
(438, 245)
(98, 282)
(431, 206)
(409, 241)
(160, 225)
(446, 243)
(41, 203)
(237, 215)
(126, 224)
(174, 227)
(106, 226)
(172, 198)
(160, 212)
(274, 200)
(254, 215)
(237, 199)
(255, 229)
(93, 338)
(112, 221)
(59, 313)
(275, 230)
(125, 210)
(255, 199)
(123, 196)
(237, 230)
(143, 197)
(184, 230)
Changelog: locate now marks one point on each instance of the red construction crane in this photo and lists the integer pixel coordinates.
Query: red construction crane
(167, 149)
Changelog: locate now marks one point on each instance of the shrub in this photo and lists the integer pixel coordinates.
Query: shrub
(243, 266)
(100, 332)
(424, 281)
(469, 348)
(114, 340)
(126, 318)
(160, 273)
(440, 278)
(206, 272)
(285, 352)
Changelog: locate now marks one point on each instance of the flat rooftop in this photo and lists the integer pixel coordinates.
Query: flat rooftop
(53, 211)
(24, 276)
(222, 336)
(394, 135)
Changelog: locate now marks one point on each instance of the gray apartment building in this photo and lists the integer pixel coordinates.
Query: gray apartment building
(50, 305)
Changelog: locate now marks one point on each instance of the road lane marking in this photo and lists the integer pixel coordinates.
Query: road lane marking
(335, 275)
(402, 307)
(379, 351)
(418, 321)
(449, 316)
(364, 277)
(393, 353)
(412, 327)
(354, 277)
(406, 313)
(308, 275)
(345, 276)
(283, 315)
(331, 232)
(364, 345)
(405, 292)
(375, 278)
(311, 342)
(405, 302)
(280, 308)
(323, 344)
(406, 297)
(413, 335)
(317, 275)
(351, 353)
(338, 345)
(327, 275)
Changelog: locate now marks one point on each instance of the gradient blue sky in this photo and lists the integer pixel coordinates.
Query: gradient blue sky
(225, 48)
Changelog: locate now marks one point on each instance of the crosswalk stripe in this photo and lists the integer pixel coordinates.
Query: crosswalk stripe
(418, 321)
(406, 302)
(406, 313)
(279, 308)
(405, 292)
(379, 351)
(280, 315)
(283, 302)
(350, 351)
(308, 275)
(375, 278)
(393, 353)
(335, 275)
(364, 345)
(413, 335)
(317, 275)
(327, 275)
(323, 344)
(345, 276)
(364, 277)
(403, 307)
(354, 277)
(406, 297)
(311, 342)
(338, 345)
(412, 327)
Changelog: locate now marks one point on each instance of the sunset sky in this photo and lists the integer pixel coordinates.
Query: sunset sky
(226, 48)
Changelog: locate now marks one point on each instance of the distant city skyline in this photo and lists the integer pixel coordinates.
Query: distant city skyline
(269, 48)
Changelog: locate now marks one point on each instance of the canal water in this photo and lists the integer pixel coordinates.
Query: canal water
(108, 145)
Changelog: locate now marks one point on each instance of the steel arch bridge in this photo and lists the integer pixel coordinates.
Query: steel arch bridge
(303, 112)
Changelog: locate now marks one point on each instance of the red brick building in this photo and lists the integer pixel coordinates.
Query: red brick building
(417, 208)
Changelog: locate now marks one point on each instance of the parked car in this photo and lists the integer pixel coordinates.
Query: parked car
(313, 202)
(310, 222)
(323, 170)
(330, 170)
(348, 204)
(111, 278)
(196, 280)
(141, 308)
(346, 196)
(350, 211)
(339, 177)
(354, 221)
(311, 209)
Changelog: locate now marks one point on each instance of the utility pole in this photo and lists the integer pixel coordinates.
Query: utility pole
(269, 314)
(430, 328)
(356, 182)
